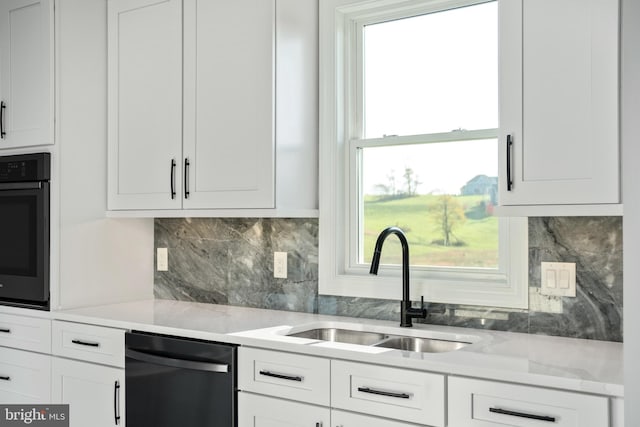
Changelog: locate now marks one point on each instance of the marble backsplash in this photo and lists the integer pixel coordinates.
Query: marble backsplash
(230, 261)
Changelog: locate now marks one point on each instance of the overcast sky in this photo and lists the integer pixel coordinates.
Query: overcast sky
(432, 73)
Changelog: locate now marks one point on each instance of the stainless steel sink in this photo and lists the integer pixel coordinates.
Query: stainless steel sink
(421, 345)
(341, 335)
(376, 339)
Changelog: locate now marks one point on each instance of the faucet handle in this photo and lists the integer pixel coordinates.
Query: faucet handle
(422, 308)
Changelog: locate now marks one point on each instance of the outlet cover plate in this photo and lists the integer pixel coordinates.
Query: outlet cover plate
(162, 259)
(280, 265)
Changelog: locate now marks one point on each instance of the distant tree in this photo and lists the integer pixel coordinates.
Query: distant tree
(410, 181)
(391, 177)
(449, 215)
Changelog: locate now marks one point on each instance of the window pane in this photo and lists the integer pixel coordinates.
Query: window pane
(440, 194)
(432, 73)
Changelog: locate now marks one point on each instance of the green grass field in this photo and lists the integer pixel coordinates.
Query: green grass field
(412, 215)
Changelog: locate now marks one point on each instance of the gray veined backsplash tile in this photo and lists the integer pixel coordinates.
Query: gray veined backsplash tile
(230, 261)
(595, 245)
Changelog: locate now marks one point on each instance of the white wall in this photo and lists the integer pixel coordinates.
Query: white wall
(630, 122)
(101, 260)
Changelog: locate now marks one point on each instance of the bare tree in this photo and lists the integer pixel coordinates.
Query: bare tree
(448, 214)
(410, 181)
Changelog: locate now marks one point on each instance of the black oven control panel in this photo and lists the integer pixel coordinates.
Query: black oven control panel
(25, 167)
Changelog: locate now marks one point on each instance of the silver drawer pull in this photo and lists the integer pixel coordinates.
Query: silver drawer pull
(5, 378)
(86, 343)
(281, 376)
(384, 393)
(5, 331)
(522, 415)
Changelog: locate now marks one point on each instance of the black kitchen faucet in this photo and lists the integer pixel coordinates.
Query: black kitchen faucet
(407, 312)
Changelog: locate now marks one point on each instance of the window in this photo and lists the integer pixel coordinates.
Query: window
(409, 125)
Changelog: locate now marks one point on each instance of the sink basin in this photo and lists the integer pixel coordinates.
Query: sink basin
(421, 345)
(342, 335)
(382, 340)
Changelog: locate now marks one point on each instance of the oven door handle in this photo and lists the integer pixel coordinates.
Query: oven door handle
(176, 363)
(20, 185)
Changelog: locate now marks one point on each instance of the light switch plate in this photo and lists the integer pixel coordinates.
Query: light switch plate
(558, 279)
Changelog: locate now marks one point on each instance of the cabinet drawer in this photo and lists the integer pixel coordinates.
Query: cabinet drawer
(262, 411)
(286, 375)
(401, 394)
(91, 343)
(349, 419)
(478, 403)
(25, 377)
(26, 333)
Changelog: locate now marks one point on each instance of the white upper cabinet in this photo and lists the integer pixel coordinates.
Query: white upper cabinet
(229, 103)
(145, 104)
(559, 79)
(26, 73)
(191, 104)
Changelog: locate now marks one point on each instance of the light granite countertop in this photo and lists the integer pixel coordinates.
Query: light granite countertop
(563, 363)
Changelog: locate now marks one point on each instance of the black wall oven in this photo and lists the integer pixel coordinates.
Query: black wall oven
(24, 230)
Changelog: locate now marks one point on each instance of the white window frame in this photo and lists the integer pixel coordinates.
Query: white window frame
(339, 272)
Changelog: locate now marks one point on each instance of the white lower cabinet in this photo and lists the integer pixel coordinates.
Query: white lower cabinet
(350, 419)
(285, 375)
(401, 394)
(480, 403)
(25, 333)
(262, 411)
(287, 389)
(25, 377)
(93, 390)
(95, 393)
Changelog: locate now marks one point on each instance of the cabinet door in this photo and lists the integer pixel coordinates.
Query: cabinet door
(95, 393)
(559, 101)
(25, 377)
(261, 411)
(145, 104)
(26, 72)
(349, 419)
(401, 394)
(480, 403)
(229, 103)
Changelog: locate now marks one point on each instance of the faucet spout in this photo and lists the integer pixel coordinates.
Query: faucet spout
(407, 312)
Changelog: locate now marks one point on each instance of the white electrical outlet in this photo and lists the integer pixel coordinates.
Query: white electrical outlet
(162, 255)
(280, 265)
(558, 278)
